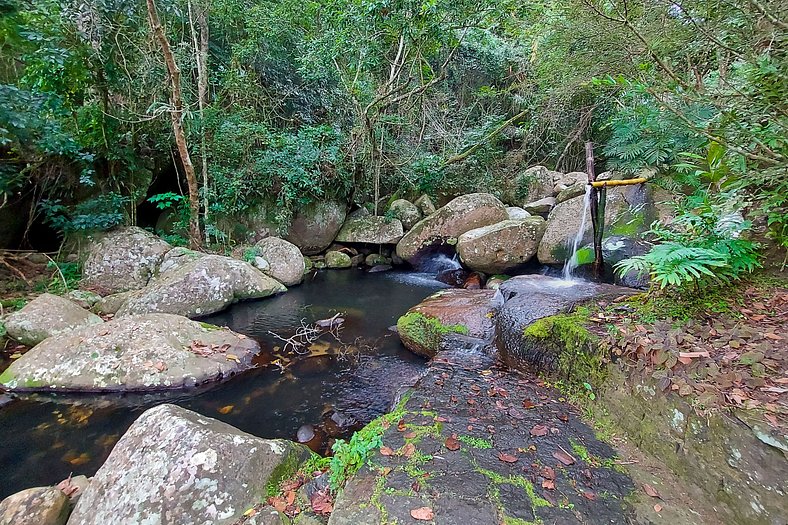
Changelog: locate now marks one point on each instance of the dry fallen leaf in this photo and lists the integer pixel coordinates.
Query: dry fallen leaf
(452, 443)
(657, 507)
(563, 457)
(539, 430)
(651, 491)
(422, 514)
(507, 458)
(408, 450)
(386, 451)
(548, 484)
(226, 409)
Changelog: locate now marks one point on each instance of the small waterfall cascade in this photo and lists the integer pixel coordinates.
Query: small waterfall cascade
(571, 263)
(440, 263)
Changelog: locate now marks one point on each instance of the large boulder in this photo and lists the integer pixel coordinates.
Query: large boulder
(284, 260)
(406, 212)
(135, 353)
(449, 222)
(36, 506)
(194, 286)
(529, 298)
(446, 314)
(372, 229)
(122, 259)
(501, 247)
(540, 207)
(516, 212)
(45, 316)
(629, 212)
(527, 186)
(174, 466)
(315, 227)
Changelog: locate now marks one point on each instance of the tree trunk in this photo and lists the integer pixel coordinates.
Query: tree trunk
(201, 58)
(176, 113)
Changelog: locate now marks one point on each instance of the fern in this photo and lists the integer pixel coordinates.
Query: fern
(674, 264)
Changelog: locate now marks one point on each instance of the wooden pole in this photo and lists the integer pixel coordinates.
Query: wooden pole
(597, 222)
(607, 183)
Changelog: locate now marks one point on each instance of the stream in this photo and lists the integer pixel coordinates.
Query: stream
(44, 438)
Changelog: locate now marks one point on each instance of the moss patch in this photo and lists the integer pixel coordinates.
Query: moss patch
(426, 332)
(578, 357)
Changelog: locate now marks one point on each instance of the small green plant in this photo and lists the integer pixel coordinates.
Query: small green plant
(703, 245)
(475, 442)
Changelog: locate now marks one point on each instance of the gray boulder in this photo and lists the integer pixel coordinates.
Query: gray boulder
(122, 259)
(449, 222)
(135, 353)
(284, 260)
(315, 227)
(540, 207)
(338, 260)
(629, 212)
(36, 506)
(45, 316)
(83, 298)
(516, 213)
(201, 285)
(406, 212)
(176, 466)
(501, 247)
(425, 205)
(527, 186)
(372, 230)
(570, 192)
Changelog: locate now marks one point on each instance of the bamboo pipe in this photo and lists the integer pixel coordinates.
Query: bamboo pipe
(628, 182)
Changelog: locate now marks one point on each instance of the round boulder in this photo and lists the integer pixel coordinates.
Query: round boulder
(45, 316)
(449, 222)
(407, 213)
(314, 228)
(516, 213)
(371, 230)
(527, 186)
(122, 259)
(36, 506)
(338, 260)
(425, 205)
(501, 247)
(197, 285)
(136, 353)
(284, 259)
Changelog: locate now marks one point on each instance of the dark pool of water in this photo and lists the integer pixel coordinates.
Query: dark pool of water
(44, 438)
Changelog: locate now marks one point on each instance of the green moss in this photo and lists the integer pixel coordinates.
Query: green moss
(7, 377)
(285, 470)
(426, 331)
(580, 451)
(628, 226)
(585, 256)
(579, 358)
(210, 327)
(517, 481)
(476, 442)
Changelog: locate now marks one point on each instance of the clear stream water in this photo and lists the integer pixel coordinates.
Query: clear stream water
(45, 438)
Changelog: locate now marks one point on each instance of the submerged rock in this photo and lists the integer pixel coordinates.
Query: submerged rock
(200, 286)
(376, 259)
(449, 222)
(445, 314)
(501, 247)
(176, 466)
(406, 212)
(45, 316)
(371, 230)
(123, 259)
(36, 506)
(284, 260)
(315, 227)
(338, 260)
(135, 353)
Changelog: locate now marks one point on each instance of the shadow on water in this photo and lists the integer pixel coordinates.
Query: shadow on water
(44, 438)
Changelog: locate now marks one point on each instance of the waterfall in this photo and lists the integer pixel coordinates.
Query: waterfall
(571, 262)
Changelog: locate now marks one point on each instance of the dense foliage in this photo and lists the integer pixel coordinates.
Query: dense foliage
(363, 99)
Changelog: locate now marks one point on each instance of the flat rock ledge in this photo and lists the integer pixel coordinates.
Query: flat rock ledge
(136, 353)
(174, 466)
(476, 444)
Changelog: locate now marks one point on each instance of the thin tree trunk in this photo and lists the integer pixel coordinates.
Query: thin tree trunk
(597, 222)
(176, 114)
(201, 58)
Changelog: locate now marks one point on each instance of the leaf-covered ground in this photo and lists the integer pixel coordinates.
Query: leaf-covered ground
(735, 358)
